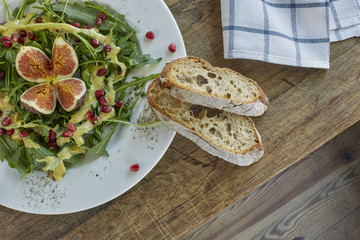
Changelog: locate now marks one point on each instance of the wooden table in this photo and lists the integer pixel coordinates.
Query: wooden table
(188, 187)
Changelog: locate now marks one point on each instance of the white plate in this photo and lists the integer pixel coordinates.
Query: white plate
(99, 180)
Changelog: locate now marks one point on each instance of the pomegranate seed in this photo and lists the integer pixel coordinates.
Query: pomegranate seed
(2, 74)
(14, 37)
(101, 72)
(2, 131)
(7, 44)
(106, 109)
(5, 39)
(172, 47)
(6, 121)
(150, 35)
(1, 113)
(67, 133)
(89, 114)
(38, 20)
(71, 127)
(94, 119)
(98, 21)
(52, 143)
(119, 104)
(99, 93)
(52, 134)
(77, 39)
(102, 16)
(135, 167)
(102, 101)
(21, 40)
(10, 132)
(22, 33)
(107, 48)
(32, 36)
(95, 43)
(24, 133)
(88, 27)
(75, 24)
(119, 71)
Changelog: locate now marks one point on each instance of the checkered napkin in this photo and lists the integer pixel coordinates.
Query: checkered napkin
(289, 32)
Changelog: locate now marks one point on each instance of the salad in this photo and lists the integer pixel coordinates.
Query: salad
(63, 83)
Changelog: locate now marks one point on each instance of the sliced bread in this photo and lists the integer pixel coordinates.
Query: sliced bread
(226, 135)
(194, 80)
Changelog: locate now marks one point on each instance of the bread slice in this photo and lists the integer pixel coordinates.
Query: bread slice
(226, 135)
(194, 80)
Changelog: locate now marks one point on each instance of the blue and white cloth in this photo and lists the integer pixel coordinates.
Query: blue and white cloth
(289, 32)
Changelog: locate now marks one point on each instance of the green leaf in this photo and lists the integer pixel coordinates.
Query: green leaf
(6, 147)
(137, 81)
(10, 56)
(76, 13)
(73, 160)
(100, 148)
(40, 153)
(20, 162)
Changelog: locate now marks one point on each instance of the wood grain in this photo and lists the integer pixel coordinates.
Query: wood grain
(322, 188)
(188, 187)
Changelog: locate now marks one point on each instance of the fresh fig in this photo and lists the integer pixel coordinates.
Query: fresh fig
(70, 93)
(33, 65)
(40, 99)
(64, 59)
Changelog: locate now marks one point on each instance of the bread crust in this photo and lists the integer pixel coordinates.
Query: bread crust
(241, 158)
(255, 107)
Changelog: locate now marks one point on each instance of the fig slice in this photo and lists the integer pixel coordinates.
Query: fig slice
(33, 65)
(40, 99)
(64, 59)
(70, 93)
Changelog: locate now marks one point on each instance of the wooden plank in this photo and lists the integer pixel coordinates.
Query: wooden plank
(346, 228)
(312, 212)
(334, 158)
(308, 108)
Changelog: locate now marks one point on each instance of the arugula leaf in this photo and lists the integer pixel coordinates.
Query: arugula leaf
(73, 160)
(10, 56)
(21, 163)
(85, 13)
(24, 159)
(100, 148)
(137, 82)
(6, 147)
(40, 153)
(15, 155)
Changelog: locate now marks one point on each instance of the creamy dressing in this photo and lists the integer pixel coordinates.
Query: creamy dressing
(97, 83)
(110, 95)
(28, 143)
(14, 26)
(54, 164)
(6, 106)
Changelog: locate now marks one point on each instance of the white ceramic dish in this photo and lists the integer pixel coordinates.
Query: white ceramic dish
(99, 180)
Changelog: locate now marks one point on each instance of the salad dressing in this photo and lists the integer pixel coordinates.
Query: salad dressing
(110, 95)
(28, 143)
(69, 146)
(54, 164)
(6, 106)
(16, 25)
